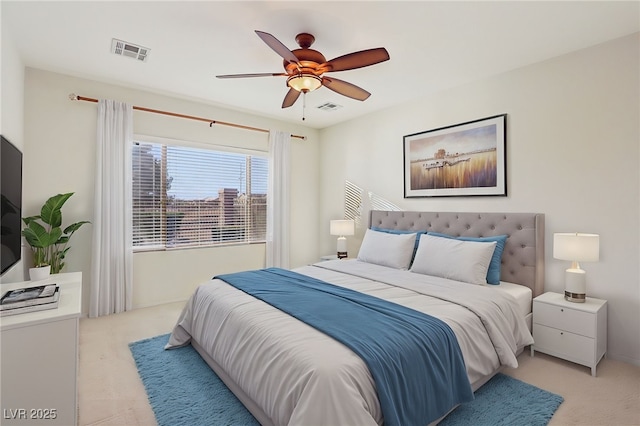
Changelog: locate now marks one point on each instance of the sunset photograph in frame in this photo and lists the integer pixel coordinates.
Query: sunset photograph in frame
(463, 159)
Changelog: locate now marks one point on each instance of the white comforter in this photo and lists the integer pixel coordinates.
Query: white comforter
(299, 376)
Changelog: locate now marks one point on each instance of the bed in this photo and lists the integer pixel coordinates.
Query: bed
(288, 372)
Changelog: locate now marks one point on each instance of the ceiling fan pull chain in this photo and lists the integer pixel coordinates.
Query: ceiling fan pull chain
(304, 103)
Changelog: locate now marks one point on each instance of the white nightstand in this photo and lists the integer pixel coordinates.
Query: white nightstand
(576, 332)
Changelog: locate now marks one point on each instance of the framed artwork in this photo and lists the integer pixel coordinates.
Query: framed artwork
(459, 160)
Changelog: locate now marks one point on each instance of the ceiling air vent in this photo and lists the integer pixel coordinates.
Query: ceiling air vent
(130, 50)
(329, 106)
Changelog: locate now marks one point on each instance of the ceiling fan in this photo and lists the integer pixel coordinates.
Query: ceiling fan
(304, 68)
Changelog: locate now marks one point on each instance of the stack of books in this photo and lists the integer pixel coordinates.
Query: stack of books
(29, 299)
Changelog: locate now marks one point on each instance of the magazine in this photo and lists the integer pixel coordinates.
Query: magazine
(28, 296)
(33, 308)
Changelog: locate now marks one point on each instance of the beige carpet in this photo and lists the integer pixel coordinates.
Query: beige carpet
(110, 392)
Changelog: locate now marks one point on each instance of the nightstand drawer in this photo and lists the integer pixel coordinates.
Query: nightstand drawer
(571, 320)
(570, 346)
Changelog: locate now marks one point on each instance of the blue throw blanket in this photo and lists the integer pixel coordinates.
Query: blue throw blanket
(413, 358)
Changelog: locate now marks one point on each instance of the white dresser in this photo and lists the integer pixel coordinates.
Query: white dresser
(39, 358)
(576, 332)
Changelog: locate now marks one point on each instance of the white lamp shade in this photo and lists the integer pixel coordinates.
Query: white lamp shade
(342, 227)
(576, 247)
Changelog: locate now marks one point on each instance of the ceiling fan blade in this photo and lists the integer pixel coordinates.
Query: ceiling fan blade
(265, 74)
(360, 59)
(290, 98)
(346, 89)
(277, 46)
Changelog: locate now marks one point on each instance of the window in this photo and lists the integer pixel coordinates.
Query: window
(190, 197)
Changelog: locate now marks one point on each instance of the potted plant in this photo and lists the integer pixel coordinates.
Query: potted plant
(45, 235)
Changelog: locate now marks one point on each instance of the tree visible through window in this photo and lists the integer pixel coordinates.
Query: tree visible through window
(186, 197)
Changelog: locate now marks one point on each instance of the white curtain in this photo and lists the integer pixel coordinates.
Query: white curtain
(278, 200)
(112, 257)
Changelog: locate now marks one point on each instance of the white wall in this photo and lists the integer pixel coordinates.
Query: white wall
(59, 139)
(11, 119)
(572, 153)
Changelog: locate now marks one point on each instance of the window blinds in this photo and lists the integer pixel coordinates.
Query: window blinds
(190, 197)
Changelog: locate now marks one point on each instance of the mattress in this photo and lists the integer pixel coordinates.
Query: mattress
(522, 294)
(297, 375)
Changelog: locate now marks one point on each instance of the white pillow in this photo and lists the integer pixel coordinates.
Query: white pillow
(466, 261)
(392, 250)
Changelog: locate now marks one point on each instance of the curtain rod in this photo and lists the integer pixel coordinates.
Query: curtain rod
(75, 97)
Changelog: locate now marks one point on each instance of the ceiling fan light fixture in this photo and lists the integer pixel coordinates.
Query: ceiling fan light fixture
(304, 68)
(304, 82)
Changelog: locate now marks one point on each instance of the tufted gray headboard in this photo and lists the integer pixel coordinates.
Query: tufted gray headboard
(523, 256)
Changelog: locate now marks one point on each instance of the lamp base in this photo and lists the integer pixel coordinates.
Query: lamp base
(575, 286)
(575, 297)
(342, 247)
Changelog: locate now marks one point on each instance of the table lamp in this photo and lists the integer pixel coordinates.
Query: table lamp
(342, 228)
(576, 247)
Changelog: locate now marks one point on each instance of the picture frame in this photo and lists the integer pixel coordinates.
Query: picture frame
(465, 159)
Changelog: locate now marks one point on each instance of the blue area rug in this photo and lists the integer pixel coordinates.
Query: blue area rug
(183, 390)
(504, 400)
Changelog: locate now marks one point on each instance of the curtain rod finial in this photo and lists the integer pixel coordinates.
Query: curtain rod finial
(73, 97)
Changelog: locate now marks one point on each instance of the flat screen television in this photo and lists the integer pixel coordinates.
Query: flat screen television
(11, 208)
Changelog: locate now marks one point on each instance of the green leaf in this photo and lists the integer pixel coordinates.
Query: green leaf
(28, 220)
(74, 227)
(36, 235)
(51, 212)
(55, 235)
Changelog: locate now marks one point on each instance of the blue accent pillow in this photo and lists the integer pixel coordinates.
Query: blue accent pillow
(396, 231)
(493, 274)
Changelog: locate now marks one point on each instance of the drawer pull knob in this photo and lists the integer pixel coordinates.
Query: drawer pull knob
(561, 310)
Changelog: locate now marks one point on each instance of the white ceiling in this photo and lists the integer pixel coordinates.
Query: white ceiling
(433, 45)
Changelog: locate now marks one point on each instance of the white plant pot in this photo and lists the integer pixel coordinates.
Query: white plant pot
(41, 273)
